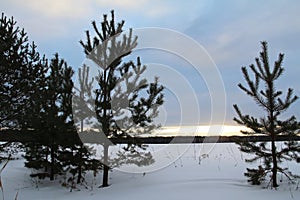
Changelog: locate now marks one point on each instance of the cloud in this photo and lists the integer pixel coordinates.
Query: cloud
(50, 19)
(148, 8)
(123, 4)
(54, 8)
(232, 32)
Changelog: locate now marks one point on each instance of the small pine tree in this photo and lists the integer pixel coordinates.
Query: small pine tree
(125, 103)
(82, 112)
(55, 126)
(269, 99)
(76, 160)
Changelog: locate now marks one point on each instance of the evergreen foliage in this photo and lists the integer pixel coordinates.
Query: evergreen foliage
(22, 72)
(36, 95)
(125, 103)
(21, 68)
(262, 89)
(55, 120)
(83, 111)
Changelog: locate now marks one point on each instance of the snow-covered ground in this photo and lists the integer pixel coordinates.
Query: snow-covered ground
(199, 173)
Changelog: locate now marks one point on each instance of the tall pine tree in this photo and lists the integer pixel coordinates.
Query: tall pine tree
(37, 96)
(22, 72)
(262, 89)
(125, 103)
(21, 68)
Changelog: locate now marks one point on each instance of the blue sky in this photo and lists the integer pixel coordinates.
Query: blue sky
(230, 31)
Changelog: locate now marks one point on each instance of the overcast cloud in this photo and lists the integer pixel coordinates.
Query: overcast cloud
(230, 31)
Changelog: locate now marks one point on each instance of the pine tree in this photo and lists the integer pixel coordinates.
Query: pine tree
(83, 112)
(125, 103)
(55, 129)
(76, 161)
(21, 67)
(58, 110)
(269, 99)
(22, 72)
(37, 96)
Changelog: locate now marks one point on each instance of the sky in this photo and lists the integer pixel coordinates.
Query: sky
(229, 33)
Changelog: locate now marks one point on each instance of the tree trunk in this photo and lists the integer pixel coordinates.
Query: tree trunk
(47, 157)
(80, 154)
(80, 165)
(79, 174)
(52, 163)
(275, 168)
(105, 166)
